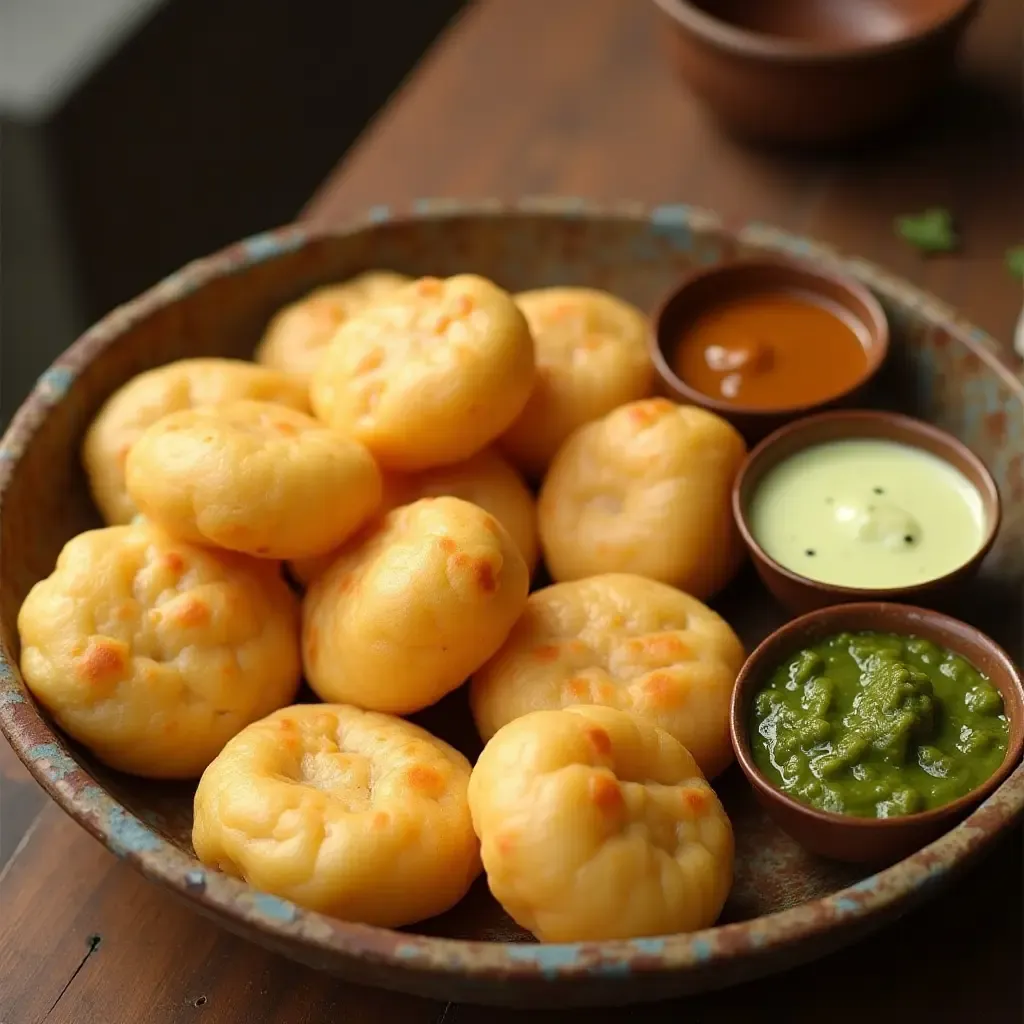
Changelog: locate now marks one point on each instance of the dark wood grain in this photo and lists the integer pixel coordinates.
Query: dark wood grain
(85, 940)
(573, 97)
(576, 99)
(21, 800)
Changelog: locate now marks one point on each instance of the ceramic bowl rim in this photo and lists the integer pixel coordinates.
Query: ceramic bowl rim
(761, 452)
(741, 42)
(46, 755)
(876, 324)
(755, 667)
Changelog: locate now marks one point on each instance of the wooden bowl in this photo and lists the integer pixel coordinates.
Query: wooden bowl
(711, 286)
(786, 906)
(814, 71)
(800, 593)
(872, 840)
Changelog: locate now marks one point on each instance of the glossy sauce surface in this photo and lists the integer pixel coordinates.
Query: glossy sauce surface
(878, 725)
(772, 350)
(867, 513)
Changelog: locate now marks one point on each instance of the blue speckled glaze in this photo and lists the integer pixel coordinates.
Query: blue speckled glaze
(95, 798)
(379, 214)
(549, 958)
(649, 947)
(274, 907)
(672, 221)
(980, 402)
(436, 207)
(175, 287)
(270, 244)
(8, 697)
(868, 884)
(7, 676)
(127, 835)
(56, 381)
(57, 764)
(702, 949)
(195, 879)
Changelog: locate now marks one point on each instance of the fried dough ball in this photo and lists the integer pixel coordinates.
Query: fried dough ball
(298, 335)
(411, 608)
(646, 490)
(596, 825)
(485, 479)
(626, 642)
(153, 653)
(591, 352)
(185, 384)
(430, 375)
(253, 477)
(355, 814)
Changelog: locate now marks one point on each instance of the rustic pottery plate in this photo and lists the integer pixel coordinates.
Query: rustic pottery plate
(787, 906)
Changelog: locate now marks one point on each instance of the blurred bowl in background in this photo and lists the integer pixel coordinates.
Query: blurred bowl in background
(814, 71)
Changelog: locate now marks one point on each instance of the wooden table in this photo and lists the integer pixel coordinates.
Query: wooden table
(573, 97)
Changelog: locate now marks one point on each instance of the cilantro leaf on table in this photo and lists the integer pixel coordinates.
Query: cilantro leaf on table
(930, 231)
(1015, 261)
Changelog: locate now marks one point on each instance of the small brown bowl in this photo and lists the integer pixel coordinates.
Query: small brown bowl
(814, 71)
(801, 594)
(711, 286)
(872, 840)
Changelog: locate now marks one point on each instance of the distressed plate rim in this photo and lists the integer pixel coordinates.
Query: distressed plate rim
(846, 912)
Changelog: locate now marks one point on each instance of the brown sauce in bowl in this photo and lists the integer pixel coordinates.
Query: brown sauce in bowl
(772, 350)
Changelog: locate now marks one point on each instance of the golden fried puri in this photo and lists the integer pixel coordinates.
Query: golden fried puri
(297, 337)
(645, 490)
(412, 607)
(253, 477)
(486, 479)
(627, 642)
(595, 825)
(185, 384)
(153, 653)
(430, 375)
(591, 352)
(359, 815)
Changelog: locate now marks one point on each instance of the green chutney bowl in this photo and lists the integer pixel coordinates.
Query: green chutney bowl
(845, 837)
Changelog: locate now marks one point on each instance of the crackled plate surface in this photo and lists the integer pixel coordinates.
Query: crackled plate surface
(786, 906)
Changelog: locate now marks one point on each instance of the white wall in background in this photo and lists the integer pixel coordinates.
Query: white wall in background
(48, 46)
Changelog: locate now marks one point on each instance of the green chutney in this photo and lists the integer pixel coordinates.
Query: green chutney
(878, 725)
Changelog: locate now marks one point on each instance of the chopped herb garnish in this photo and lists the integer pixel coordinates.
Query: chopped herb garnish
(809, 552)
(1015, 261)
(931, 231)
